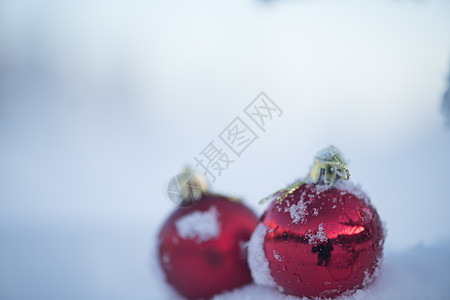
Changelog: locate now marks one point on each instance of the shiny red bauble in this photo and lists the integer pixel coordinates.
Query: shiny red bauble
(202, 247)
(321, 241)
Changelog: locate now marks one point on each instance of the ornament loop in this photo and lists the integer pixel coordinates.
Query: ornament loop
(280, 195)
(339, 171)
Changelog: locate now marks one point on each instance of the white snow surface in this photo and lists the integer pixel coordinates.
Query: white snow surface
(200, 225)
(124, 265)
(258, 263)
(412, 274)
(369, 278)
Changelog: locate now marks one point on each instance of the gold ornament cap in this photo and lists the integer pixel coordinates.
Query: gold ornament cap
(187, 188)
(328, 167)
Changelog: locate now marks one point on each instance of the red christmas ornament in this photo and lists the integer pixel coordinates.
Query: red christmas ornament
(201, 246)
(320, 237)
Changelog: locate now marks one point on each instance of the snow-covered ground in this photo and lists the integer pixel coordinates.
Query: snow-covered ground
(75, 263)
(102, 103)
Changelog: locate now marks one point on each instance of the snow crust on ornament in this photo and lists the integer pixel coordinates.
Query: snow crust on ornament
(202, 226)
(277, 255)
(257, 261)
(369, 278)
(329, 153)
(298, 212)
(319, 237)
(347, 186)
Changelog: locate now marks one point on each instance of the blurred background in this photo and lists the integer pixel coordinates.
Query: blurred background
(103, 102)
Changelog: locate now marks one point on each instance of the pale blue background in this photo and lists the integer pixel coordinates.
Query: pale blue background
(102, 102)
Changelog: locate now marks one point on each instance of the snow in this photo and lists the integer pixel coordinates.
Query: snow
(417, 273)
(258, 263)
(446, 103)
(200, 225)
(320, 188)
(370, 278)
(298, 211)
(276, 255)
(329, 153)
(124, 265)
(347, 186)
(317, 238)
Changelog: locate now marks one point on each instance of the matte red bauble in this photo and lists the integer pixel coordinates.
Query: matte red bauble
(201, 247)
(319, 237)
